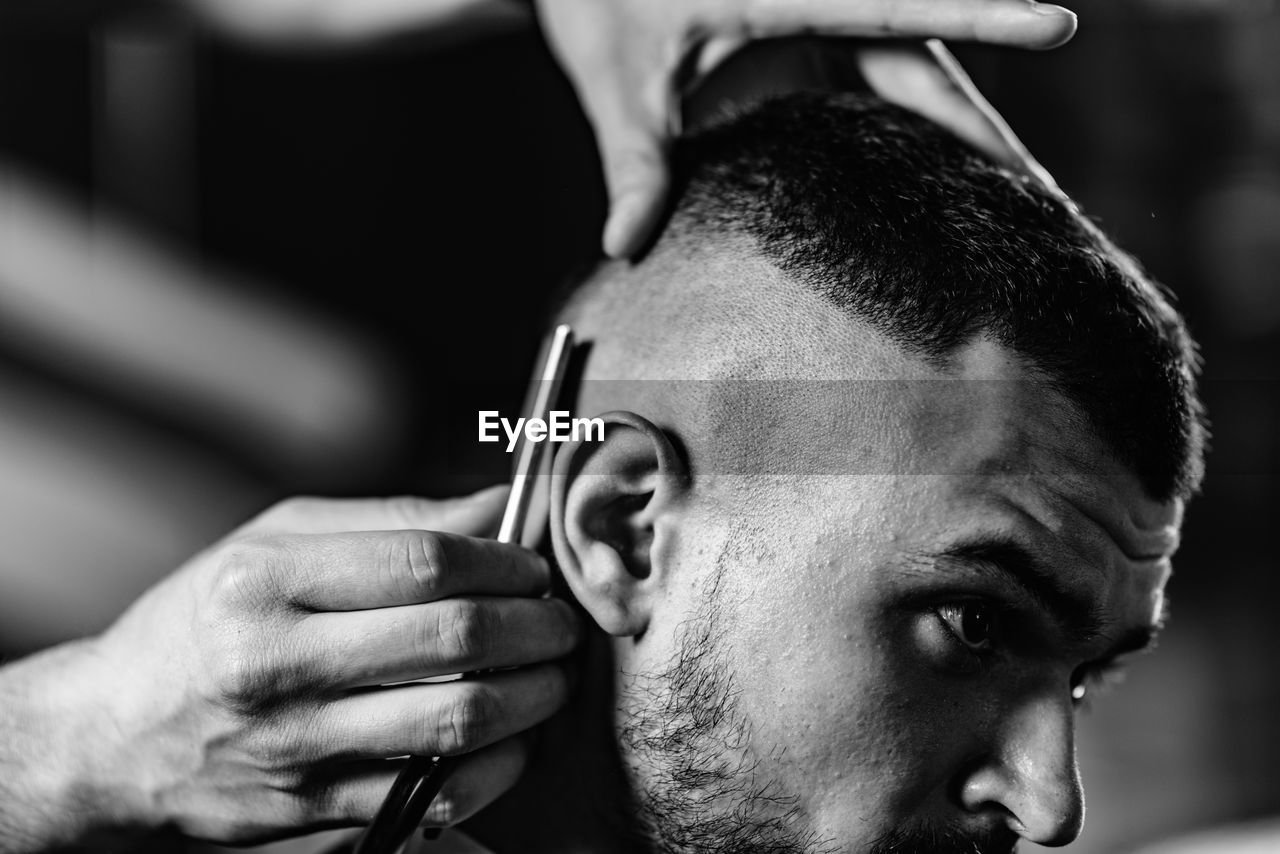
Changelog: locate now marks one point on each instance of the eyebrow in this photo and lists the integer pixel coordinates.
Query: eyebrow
(1077, 614)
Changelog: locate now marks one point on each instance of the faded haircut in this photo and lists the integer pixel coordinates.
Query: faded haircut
(895, 221)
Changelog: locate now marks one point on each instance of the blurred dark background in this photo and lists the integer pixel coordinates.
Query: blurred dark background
(398, 213)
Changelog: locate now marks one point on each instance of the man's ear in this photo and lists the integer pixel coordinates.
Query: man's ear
(607, 502)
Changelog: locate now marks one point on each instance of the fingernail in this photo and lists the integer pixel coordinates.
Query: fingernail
(1051, 9)
(628, 221)
(617, 234)
(1062, 27)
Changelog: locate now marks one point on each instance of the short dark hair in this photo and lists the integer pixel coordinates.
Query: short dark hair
(896, 221)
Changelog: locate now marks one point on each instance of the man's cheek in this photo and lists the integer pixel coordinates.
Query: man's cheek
(859, 730)
(863, 721)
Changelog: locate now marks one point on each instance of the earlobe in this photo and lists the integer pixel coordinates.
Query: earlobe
(610, 501)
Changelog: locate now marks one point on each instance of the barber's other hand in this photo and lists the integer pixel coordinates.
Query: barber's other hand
(625, 58)
(240, 700)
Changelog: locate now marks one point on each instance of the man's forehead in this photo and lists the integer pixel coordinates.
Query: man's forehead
(1011, 440)
(783, 382)
(985, 432)
(1032, 445)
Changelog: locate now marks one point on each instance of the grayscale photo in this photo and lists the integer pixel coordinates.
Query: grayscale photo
(639, 426)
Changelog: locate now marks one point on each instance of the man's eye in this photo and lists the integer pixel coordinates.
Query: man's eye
(973, 623)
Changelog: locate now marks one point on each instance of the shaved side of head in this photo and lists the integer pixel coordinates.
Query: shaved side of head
(838, 238)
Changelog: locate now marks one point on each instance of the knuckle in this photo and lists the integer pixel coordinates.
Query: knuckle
(466, 631)
(245, 573)
(421, 560)
(240, 638)
(467, 721)
(251, 666)
(241, 680)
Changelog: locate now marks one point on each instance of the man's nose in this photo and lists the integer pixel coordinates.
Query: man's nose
(1031, 773)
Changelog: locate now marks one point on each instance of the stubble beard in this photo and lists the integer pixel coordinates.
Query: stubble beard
(697, 785)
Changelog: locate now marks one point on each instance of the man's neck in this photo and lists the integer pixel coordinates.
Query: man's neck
(573, 797)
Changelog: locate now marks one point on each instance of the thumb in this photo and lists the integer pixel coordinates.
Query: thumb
(636, 176)
(618, 65)
(633, 121)
(476, 515)
(926, 78)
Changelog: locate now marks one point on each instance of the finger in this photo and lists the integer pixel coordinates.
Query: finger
(632, 119)
(770, 68)
(478, 781)
(908, 75)
(927, 79)
(381, 569)
(636, 176)
(357, 792)
(440, 719)
(367, 648)
(476, 515)
(716, 50)
(1018, 23)
(1025, 161)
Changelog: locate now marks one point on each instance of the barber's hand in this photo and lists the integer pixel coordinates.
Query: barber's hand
(240, 699)
(626, 59)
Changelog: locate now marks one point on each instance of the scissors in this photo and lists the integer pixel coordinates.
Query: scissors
(423, 776)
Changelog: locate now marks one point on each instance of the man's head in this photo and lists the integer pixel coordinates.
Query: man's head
(900, 463)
